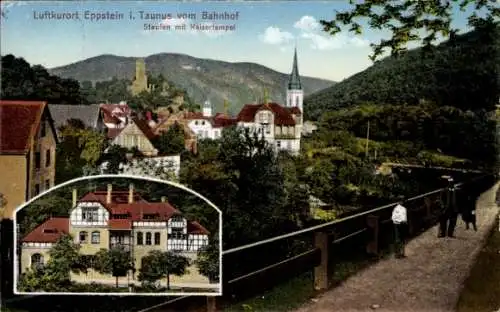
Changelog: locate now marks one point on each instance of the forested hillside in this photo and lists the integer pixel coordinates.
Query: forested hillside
(463, 73)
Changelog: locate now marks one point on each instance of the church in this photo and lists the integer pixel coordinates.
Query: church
(280, 125)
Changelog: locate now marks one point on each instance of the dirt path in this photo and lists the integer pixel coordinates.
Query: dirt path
(430, 279)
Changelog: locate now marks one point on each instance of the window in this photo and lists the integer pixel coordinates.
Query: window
(177, 233)
(36, 261)
(47, 184)
(148, 238)
(203, 123)
(196, 122)
(37, 189)
(96, 237)
(268, 129)
(278, 144)
(43, 129)
(134, 140)
(37, 160)
(90, 214)
(47, 158)
(140, 239)
(83, 237)
(289, 145)
(157, 238)
(297, 101)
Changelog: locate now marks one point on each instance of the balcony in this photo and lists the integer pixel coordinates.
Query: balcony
(284, 137)
(126, 247)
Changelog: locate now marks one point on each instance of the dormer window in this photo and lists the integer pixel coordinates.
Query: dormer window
(49, 231)
(90, 214)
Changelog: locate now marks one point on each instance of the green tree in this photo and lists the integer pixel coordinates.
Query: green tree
(407, 19)
(64, 259)
(116, 261)
(114, 156)
(20, 81)
(78, 148)
(157, 265)
(208, 260)
(171, 142)
(42, 209)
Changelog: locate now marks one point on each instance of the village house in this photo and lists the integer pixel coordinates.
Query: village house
(107, 219)
(135, 134)
(190, 139)
(90, 115)
(27, 152)
(206, 125)
(116, 116)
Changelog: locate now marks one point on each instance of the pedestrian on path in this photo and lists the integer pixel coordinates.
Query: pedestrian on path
(400, 221)
(469, 212)
(449, 213)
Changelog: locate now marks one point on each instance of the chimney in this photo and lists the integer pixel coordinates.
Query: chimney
(149, 116)
(108, 196)
(131, 193)
(164, 199)
(75, 197)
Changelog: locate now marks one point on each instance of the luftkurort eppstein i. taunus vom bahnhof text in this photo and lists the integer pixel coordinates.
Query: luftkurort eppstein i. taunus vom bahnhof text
(133, 15)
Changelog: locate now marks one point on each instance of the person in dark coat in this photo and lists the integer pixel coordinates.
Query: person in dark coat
(469, 212)
(449, 212)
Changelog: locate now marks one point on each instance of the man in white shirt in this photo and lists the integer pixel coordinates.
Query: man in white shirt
(400, 221)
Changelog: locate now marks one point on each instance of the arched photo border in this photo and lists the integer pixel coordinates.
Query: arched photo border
(113, 176)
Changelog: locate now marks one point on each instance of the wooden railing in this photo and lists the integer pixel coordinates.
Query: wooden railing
(370, 227)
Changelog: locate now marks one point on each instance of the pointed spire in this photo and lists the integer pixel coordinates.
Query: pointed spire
(266, 96)
(226, 106)
(294, 81)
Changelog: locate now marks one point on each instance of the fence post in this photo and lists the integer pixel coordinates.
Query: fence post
(211, 304)
(321, 271)
(373, 226)
(428, 208)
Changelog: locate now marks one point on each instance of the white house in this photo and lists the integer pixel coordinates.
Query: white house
(277, 124)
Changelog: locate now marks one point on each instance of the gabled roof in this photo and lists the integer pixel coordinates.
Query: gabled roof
(88, 114)
(282, 116)
(144, 127)
(194, 227)
(109, 118)
(49, 231)
(19, 123)
(120, 205)
(118, 110)
(220, 120)
(140, 123)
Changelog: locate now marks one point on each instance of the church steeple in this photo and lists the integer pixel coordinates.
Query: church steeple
(294, 81)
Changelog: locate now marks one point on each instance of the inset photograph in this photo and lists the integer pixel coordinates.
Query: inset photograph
(118, 235)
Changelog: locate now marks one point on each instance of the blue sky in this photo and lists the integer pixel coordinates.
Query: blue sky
(265, 33)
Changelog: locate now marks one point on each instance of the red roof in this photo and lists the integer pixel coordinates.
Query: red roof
(221, 120)
(19, 122)
(113, 132)
(194, 227)
(294, 110)
(109, 118)
(282, 116)
(118, 110)
(195, 115)
(49, 231)
(144, 127)
(136, 210)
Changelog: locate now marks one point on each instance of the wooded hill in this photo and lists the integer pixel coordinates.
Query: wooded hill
(464, 73)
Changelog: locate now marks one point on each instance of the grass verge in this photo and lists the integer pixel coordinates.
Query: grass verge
(482, 287)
